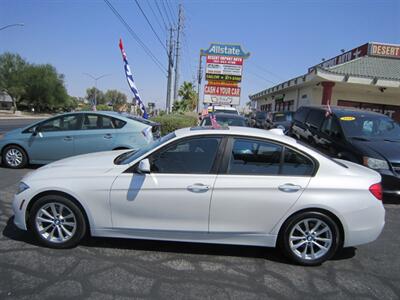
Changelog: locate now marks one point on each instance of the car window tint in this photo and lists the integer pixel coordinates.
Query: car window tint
(254, 157)
(295, 163)
(63, 123)
(331, 127)
(301, 114)
(193, 156)
(96, 122)
(316, 117)
(118, 123)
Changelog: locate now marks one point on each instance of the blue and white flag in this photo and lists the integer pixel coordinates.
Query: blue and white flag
(131, 82)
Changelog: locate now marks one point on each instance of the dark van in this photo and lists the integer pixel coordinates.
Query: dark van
(363, 137)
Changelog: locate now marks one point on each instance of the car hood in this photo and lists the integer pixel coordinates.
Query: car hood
(388, 149)
(92, 164)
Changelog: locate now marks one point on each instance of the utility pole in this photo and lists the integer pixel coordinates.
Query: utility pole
(199, 78)
(177, 52)
(170, 46)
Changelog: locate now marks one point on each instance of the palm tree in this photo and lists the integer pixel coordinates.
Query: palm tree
(188, 96)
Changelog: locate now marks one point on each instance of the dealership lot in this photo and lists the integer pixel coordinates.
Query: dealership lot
(104, 268)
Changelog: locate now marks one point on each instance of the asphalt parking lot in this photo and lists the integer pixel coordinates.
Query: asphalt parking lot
(117, 268)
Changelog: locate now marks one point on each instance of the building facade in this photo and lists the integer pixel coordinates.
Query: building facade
(366, 77)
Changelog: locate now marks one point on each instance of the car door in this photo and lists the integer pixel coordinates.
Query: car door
(330, 138)
(261, 181)
(97, 134)
(175, 196)
(54, 138)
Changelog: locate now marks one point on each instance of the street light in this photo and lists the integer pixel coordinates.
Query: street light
(95, 85)
(11, 25)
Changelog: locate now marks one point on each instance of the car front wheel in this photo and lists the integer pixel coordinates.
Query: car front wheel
(14, 157)
(310, 238)
(57, 222)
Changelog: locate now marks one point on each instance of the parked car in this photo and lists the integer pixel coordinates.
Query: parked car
(217, 109)
(225, 119)
(367, 138)
(231, 186)
(263, 120)
(72, 134)
(282, 120)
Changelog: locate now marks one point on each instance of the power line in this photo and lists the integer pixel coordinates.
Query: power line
(136, 37)
(171, 23)
(162, 16)
(157, 19)
(170, 11)
(261, 77)
(169, 5)
(267, 71)
(151, 26)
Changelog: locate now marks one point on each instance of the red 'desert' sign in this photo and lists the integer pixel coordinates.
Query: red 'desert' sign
(228, 60)
(222, 90)
(385, 50)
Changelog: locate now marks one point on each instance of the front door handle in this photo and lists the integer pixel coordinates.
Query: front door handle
(68, 138)
(108, 136)
(198, 188)
(289, 188)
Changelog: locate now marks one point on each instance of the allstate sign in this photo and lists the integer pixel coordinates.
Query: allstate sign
(225, 49)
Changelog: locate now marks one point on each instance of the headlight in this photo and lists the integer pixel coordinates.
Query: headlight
(22, 186)
(376, 164)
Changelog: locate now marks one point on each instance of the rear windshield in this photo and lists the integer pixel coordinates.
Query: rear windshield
(225, 121)
(282, 117)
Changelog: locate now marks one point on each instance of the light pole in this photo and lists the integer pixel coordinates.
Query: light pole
(11, 25)
(95, 86)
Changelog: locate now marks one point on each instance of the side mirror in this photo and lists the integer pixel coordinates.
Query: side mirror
(36, 131)
(144, 166)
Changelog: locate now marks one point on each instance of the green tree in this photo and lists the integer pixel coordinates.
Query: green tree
(44, 88)
(12, 72)
(100, 98)
(188, 96)
(116, 98)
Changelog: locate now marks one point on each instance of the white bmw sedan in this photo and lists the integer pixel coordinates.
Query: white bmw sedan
(232, 186)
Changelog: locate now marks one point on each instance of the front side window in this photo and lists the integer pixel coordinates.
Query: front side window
(254, 157)
(63, 123)
(191, 156)
(315, 118)
(331, 127)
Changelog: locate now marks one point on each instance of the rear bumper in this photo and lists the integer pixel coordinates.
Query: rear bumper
(391, 184)
(365, 225)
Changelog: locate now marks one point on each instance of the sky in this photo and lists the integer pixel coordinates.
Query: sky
(283, 37)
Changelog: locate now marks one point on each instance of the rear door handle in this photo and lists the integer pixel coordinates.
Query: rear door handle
(68, 138)
(108, 136)
(289, 188)
(198, 188)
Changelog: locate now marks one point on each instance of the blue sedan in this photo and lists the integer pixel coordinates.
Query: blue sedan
(73, 134)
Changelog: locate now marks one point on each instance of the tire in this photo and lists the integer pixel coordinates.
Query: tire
(60, 233)
(309, 253)
(14, 157)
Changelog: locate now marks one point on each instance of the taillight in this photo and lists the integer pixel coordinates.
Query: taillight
(376, 190)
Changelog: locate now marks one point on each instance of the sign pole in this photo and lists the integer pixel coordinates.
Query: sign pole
(199, 78)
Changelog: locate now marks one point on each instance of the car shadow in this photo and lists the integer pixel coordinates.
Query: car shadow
(29, 167)
(267, 253)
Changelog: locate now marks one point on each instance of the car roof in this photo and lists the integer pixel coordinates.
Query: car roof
(227, 115)
(344, 110)
(236, 130)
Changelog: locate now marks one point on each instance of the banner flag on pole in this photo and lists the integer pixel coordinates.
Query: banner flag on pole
(131, 82)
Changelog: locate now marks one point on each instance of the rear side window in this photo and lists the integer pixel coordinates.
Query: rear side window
(254, 157)
(316, 117)
(118, 123)
(97, 122)
(296, 164)
(301, 114)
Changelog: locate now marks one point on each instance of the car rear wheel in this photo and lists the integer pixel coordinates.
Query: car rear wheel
(310, 238)
(57, 222)
(14, 157)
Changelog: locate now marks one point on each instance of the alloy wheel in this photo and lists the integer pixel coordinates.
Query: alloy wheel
(14, 157)
(55, 222)
(310, 239)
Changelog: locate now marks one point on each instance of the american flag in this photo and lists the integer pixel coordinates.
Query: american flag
(131, 82)
(214, 123)
(328, 110)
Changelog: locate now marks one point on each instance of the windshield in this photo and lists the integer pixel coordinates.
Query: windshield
(261, 115)
(226, 111)
(283, 117)
(370, 126)
(128, 157)
(226, 121)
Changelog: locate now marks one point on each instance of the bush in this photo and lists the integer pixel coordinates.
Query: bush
(173, 122)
